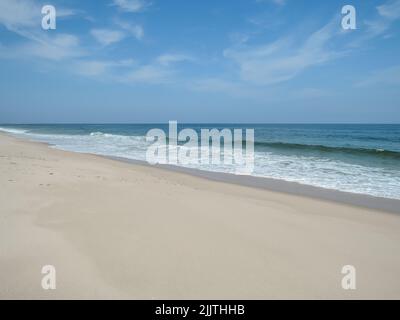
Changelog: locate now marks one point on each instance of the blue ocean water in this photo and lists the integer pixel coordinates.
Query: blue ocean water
(359, 158)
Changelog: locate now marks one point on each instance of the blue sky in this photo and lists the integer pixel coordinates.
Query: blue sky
(199, 61)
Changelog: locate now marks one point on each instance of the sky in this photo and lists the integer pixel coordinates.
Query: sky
(151, 61)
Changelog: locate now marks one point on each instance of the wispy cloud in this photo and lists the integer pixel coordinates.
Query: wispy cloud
(282, 60)
(56, 48)
(131, 5)
(19, 14)
(277, 2)
(134, 30)
(168, 59)
(59, 47)
(107, 36)
(387, 14)
(390, 10)
(149, 74)
(68, 12)
(23, 17)
(161, 71)
(100, 67)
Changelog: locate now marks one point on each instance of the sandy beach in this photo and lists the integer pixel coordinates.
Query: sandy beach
(120, 230)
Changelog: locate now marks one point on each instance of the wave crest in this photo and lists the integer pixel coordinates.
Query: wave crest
(322, 148)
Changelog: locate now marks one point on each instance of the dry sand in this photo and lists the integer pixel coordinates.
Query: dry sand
(118, 230)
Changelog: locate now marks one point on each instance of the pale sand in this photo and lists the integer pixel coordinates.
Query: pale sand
(119, 230)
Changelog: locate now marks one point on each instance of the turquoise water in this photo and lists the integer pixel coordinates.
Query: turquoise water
(360, 158)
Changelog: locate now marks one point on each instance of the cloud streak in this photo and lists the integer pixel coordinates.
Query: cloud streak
(277, 2)
(23, 17)
(388, 13)
(134, 30)
(283, 60)
(19, 14)
(131, 5)
(107, 37)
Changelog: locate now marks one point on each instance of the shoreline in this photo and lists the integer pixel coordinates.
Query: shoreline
(275, 185)
(117, 230)
(283, 186)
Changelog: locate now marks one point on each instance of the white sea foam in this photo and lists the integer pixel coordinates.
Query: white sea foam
(13, 130)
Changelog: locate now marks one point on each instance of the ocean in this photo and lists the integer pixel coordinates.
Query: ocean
(357, 158)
